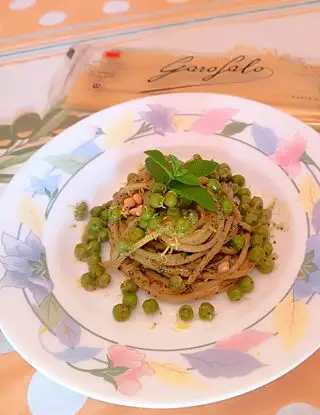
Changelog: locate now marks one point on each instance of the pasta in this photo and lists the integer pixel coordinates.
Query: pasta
(179, 249)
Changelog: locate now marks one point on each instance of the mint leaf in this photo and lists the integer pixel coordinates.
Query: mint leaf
(156, 171)
(159, 159)
(175, 163)
(188, 178)
(195, 193)
(200, 167)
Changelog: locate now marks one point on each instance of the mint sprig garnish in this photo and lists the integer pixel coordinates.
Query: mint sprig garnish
(195, 193)
(182, 178)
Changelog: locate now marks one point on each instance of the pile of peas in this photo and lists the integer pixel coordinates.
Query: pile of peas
(122, 311)
(89, 250)
(252, 212)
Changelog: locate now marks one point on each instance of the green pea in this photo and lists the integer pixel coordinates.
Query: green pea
(80, 211)
(176, 284)
(244, 191)
(130, 300)
(265, 216)
(129, 286)
(94, 247)
(186, 313)
(214, 185)
(206, 311)
(244, 206)
(182, 224)
(256, 254)
(256, 240)
(96, 270)
(155, 223)
(95, 225)
(170, 199)
(121, 312)
(256, 202)
(95, 212)
(89, 236)
(114, 214)
(235, 188)
(224, 166)
(103, 235)
(184, 203)
(224, 172)
(150, 306)
(81, 252)
(234, 294)
(136, 234)
(156, 200)
(147, 213)
(246, 284)
(123, 246)
(92, 236)
(158, 188)
(143, 223)
(257, 212)
(266, 266)
(268, 248)
(214, 175)
(237, 242)
(246, 199)
(239, 180)
(107, 205)
(94, 259)
(251, 218)
(263, 231)
(193, 216)
(104, 215)
(88, 282)
(226, 205)
(173, 212)
(104, 280)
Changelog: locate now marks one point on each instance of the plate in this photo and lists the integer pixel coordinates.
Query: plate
(69, 334)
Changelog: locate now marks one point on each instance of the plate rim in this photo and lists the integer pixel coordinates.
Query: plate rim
(132, 402)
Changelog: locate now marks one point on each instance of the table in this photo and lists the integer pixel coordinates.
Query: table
(34, 38)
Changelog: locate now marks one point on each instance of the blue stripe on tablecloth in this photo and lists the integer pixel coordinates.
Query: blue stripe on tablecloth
(109, 36)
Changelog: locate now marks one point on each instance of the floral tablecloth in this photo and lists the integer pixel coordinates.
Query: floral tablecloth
(34, 36)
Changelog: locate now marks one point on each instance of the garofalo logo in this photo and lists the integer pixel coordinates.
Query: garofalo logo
(186, 73)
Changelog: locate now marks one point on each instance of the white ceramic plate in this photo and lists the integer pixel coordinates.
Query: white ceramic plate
(70, 335)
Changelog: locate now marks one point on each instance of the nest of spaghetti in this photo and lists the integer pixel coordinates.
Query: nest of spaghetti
(176, 249)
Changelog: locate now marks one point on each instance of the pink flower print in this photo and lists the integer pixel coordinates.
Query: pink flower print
(289, 153)
(129, 382)
(160, 117)
(213, 121)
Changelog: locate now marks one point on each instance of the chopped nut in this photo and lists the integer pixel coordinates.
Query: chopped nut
(137, 211)
(224, 266)
(129, 202)
(204, 180)
(137, 198)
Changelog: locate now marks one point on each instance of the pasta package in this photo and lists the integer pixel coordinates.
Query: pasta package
(112, 76)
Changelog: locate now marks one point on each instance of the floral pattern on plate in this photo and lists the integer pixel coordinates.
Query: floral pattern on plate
(127, 369)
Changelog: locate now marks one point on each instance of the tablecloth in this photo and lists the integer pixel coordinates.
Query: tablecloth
(32, 31)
